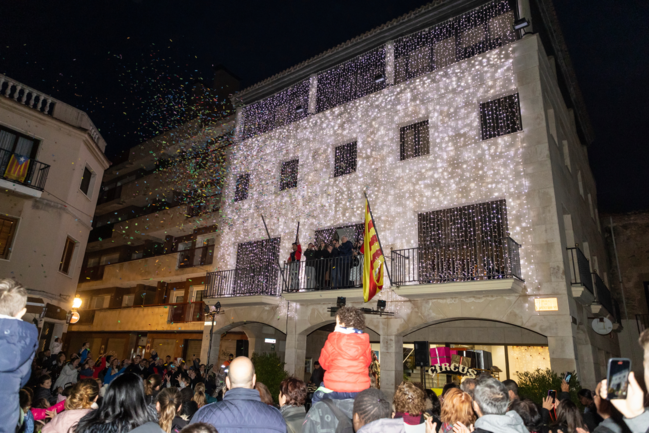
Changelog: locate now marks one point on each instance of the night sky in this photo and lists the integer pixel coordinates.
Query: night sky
(124, 61)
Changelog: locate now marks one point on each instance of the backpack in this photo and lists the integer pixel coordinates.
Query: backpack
(344, 424)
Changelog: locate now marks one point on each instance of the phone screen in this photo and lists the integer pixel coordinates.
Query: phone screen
(618, 377)
(568, 377)
(552, 393)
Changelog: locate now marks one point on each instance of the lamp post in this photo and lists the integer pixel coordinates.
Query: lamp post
(212, 311)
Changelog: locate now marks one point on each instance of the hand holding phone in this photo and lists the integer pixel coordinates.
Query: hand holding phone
(617, 378)
(553, 395)
(568, 377)
(633, 406)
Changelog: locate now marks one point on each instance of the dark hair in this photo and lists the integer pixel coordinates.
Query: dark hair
(448, 387)
(351, 317)
(294, 390)
(199, 427)
(25, 400)
(44, 378)
(568, 417)
(264, 393)
(122, 409)
(409, 399)
(529, 413)
(316, 363)
(437, 406)
(189, 407)
(371, 405)
(585, 393)
(41, 403)
(511, 386)
(468, 386)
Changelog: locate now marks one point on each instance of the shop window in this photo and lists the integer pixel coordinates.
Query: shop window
(243, 182)
(288, 178)
(127, 300)
(414, 140)
(345, 159)
(68, 255)
(500, 117)
(7, 231)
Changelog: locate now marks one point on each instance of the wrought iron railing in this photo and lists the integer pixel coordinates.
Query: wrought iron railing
(457, 261)
(36, 174)
(324, 274)
(580, 269)
(196, 257)
(186, 312)
(602, 294)
(250, 281)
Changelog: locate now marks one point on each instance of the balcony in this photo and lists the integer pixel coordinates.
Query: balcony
(251, 285)
(186, 312)
(603, 305)
(458, 268)
(581, 281)
(34, 176)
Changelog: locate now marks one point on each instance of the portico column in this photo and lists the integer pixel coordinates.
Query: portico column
(216, 344)
(391, 364)
(295, 354)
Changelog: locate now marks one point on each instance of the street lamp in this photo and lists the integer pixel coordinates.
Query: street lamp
(212, 310)
(76, 303)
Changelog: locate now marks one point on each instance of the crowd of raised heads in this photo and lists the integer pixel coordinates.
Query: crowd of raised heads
(51, 391)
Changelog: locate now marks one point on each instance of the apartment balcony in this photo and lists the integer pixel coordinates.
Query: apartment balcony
(603, 305)
(459, 268)
(581, 281)
(170, 267)
(29, 180)
(166, 317)
(256, 285)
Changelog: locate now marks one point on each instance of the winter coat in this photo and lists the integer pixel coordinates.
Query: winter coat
(294, 417)
(44, 393)
(18, 343)
(385, 425)
(63, 421)
(638, 424)
(321, 419)
(56, 347)
(83, 355)
(609, 425)
(241, 411)
(69, 374)
(509, 423)
(346, 249)
(346, 359)
(108, 377)
(150, 427)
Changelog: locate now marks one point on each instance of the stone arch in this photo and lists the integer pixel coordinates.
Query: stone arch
(423, 325)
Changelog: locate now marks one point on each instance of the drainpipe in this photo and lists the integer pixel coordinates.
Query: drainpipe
(619, 274)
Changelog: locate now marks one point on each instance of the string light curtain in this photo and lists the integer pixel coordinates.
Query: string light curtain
(468, 35)
(345, 159)
(414, 140)
(331, 234)
(243, 182)
(287, 106)
(257, 268)
(500, 117)
(288, 178)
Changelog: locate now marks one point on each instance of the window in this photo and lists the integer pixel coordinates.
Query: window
(243, 182)
(15, 142)
(500, 117)
(127, 300)
(99, 302)
(288, 177)
(7, 230)
(414, 140)
(85, 181)
(566, 154)
(345, 159)
(68, 253)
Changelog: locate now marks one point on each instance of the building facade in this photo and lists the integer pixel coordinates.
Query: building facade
(470, 140)
(51, 165)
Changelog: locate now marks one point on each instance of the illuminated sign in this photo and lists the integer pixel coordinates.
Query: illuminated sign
(546, 304)
(269, 340)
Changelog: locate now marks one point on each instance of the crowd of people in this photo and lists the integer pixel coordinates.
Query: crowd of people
(51, 392)
(337, 264)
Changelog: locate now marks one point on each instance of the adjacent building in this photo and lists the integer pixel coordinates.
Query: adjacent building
(51, 166)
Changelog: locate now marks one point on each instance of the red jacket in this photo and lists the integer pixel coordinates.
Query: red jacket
(297, 253)
(346, 359)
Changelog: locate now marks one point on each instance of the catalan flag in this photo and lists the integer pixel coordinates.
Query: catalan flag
(17, 168)
(374, 261)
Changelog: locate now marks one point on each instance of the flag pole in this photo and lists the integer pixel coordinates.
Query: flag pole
(376, 230)
(297, 233)
(278, 260)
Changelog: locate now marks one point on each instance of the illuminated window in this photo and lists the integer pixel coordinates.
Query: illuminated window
(7, 230)
(68, 254)
(345, 159)
(288, 178)
(243, 181)
(546, 304)
(415, 140)
(500, 117)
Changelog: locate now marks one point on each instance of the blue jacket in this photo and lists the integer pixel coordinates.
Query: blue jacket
(108, 378)
(18, 343)
(346, 249)
(241, 411)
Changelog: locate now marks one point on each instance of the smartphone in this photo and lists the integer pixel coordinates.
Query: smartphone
(568, 377)
(552, 393)
(617, 377)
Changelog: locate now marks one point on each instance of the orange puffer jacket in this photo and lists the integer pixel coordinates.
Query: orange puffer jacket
(346, 359)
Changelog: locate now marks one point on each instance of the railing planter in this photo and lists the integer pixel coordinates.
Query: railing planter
(603, 305)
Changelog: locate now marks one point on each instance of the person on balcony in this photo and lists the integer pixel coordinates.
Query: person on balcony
(345, 252)
(293, 263)
(311, 255)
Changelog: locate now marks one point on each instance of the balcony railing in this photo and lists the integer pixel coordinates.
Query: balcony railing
(186, 312)
(196, 257)
(580, 269)
(250, 281)
(457, 261)
(324, 274)
(603, 295)
(36, 174)
(92, 273)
